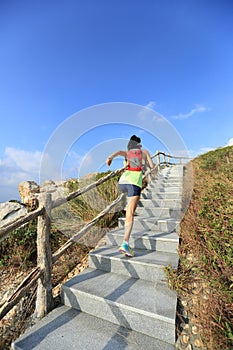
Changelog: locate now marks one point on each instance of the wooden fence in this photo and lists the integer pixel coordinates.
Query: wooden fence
(45, 259)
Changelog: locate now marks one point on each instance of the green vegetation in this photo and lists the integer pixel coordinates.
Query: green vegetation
(19, 249)
(88, 205)
(206, 249)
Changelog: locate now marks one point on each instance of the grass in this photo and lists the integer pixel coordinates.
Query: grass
(206, 249)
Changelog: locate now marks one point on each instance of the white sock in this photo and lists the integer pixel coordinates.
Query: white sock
(124, 242)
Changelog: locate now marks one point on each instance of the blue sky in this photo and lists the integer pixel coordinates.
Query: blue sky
(62, 57)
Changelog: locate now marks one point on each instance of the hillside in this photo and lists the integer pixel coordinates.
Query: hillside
(204, 279)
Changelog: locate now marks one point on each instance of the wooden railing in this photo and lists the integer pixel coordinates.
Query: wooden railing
(45, 259)
(166, 159)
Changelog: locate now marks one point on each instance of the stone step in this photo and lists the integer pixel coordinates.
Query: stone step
(128, 302)
(151, 240)
(163, 195)
(172, 203)
(169, 177)
(167, 183)
(160, 194)
(160, 188)
(152, 223)
(146, 264)
(146, 194)
(67, 328)
(158, 212)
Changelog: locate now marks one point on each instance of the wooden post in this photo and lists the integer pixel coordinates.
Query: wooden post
(168, 159)
(158, 158)
(164, 159)
(148, 178)
(44, 301)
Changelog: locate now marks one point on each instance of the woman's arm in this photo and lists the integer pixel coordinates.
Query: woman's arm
(148, 158)
(115, 154)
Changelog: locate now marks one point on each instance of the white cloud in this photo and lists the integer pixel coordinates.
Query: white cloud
(16, 166)
(202, 150)
(197, 109)
(27, 161)
(147, 110)
(148, 113)
(159, 118)
(151, 104)
(230, 142)
(72, 164)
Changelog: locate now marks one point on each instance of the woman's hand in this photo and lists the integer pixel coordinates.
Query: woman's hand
(109, 161)
(115, 154)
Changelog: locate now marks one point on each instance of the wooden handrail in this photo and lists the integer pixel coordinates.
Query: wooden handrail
(86, 228)
(4, 230)
(22, 289)
(170, 156)
(72, 195)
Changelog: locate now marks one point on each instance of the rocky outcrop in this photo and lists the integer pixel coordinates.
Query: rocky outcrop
(56, 188)
(10, 211)
(28, 191)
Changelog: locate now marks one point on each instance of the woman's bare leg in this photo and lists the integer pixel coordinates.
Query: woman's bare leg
(129, 219)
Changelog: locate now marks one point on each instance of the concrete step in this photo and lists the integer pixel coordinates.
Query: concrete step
(67, 328)
(146, 194)
(167, 183)
(165, 189)
(174, 203)
(146, 265)
(152, 223)
(151, 240)
(128, 302)
(170, 177)
(163, 195)
(168, 186)
(158, 212)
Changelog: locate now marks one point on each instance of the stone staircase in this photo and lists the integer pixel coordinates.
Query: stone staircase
(119, 302)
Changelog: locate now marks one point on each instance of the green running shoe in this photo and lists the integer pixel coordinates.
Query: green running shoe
(126, 250)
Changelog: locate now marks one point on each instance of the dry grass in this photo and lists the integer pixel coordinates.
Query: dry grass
(206, 249)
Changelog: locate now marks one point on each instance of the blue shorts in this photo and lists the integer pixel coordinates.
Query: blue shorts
(131, 190)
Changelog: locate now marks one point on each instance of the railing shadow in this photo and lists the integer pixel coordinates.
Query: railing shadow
(32, 340)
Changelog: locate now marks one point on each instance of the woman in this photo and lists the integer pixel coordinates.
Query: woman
(131, 183)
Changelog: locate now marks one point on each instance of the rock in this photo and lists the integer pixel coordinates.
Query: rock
(189, 347)
(194, 330)
(184, 303)
(28, 191)
(10, 211)
(57, 189)
(198, 343)
(185, 339)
